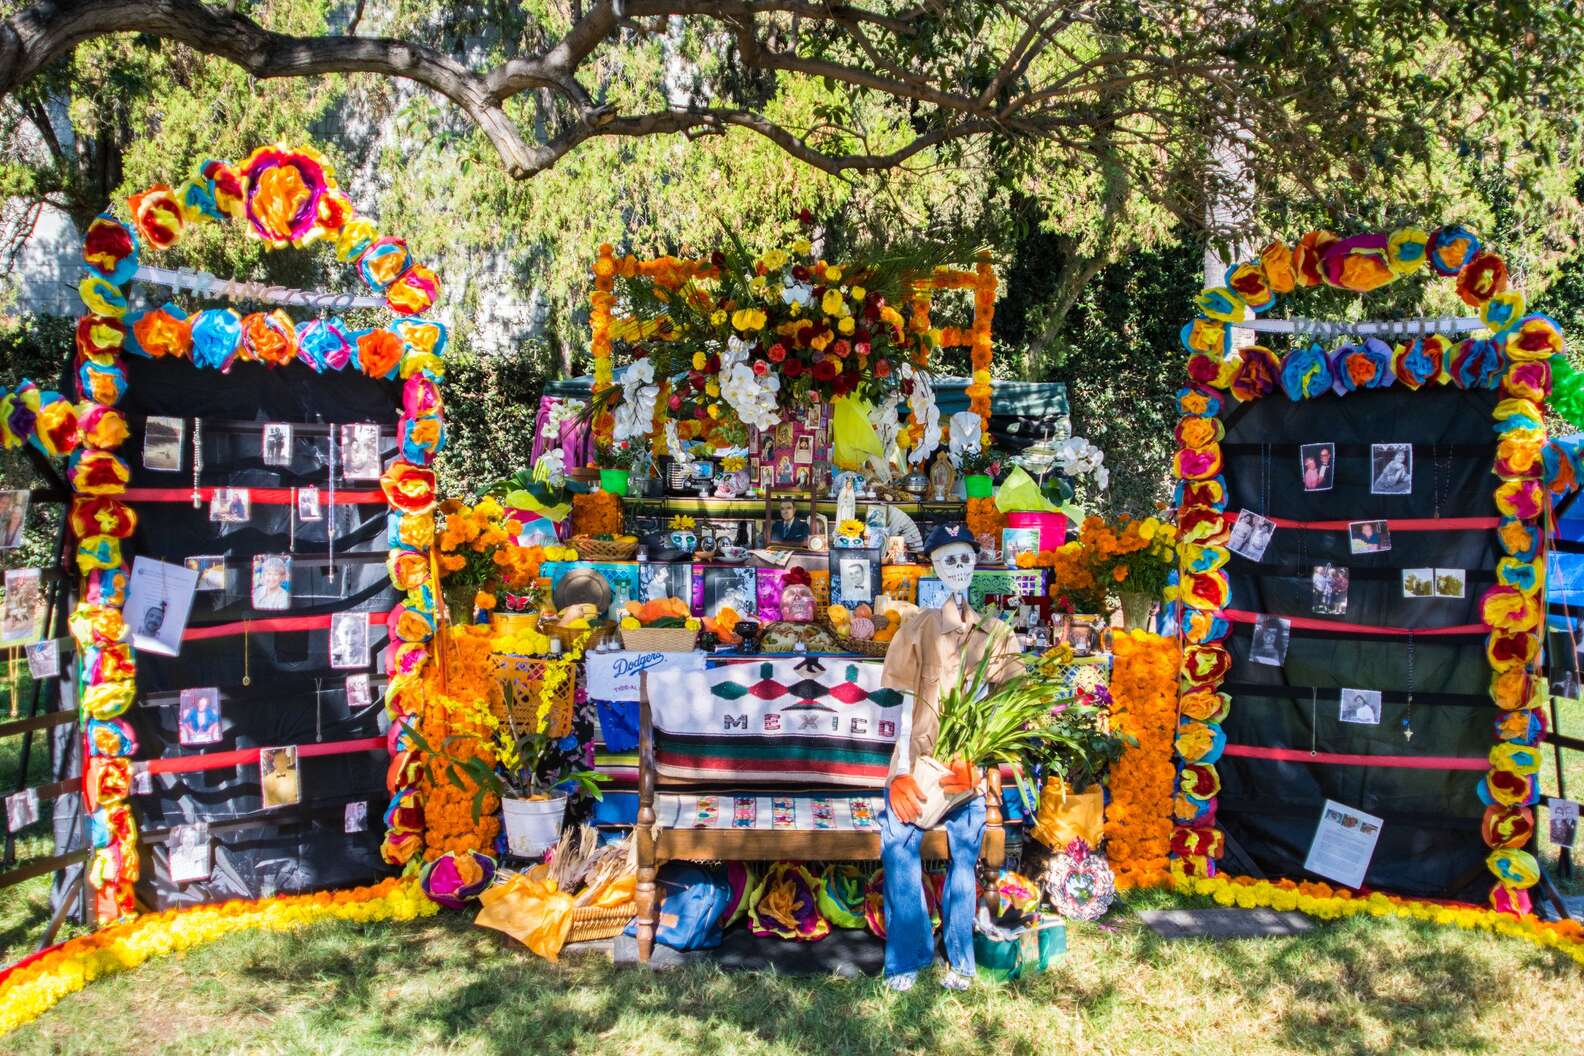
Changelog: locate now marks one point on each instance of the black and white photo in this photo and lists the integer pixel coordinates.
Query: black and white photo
(1360, 706)
(162, 443)
(733, 588)
(1329, 585)
(349, 644)
(1368, 537)
(13, 517)
(188, 851)
(664, 579)
(1251, 535)
(277, 444)
(308, 508)
(354, 818)
(358, 694)
(360, 452)
(1271, 634)
(1317, 462)
(1391, 469)
(1563, 825)
(159, 599)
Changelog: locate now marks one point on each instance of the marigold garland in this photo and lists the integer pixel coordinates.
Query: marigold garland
(1327, 903)
(32, 987)
(1143, 706)
(463, 713)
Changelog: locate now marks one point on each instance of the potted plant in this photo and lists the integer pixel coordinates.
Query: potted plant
(1075, 754)
(979, 470)
(987, 719)
(531, 774)
(615, 462)
(1134, 557)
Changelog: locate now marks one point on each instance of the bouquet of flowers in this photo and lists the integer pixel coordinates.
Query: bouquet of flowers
(1130, 555)
(478, 553)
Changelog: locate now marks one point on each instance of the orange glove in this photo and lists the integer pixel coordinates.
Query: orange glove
(962, 777)
(906, 798)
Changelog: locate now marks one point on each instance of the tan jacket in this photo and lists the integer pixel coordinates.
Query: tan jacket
(927, 656)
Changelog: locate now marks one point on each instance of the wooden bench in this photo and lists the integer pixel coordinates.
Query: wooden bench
(658, 844)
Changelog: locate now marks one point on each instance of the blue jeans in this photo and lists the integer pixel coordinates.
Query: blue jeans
(910, 943)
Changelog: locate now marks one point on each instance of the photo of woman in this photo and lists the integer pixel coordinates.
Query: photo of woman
(272, 582)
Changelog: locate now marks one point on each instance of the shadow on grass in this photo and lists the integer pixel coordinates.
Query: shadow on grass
(1348, 987)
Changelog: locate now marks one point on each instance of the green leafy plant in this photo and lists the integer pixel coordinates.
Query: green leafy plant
(985, 462)
(1076, 745)
(619, 455)
(991, 720)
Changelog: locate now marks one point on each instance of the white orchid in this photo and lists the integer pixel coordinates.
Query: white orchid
(922, 403)
(751, 396)
(679, 451)
(550, 468)
(558, 414)
(798, 293)
(1077, 457)
(634, 417)
(964, 429)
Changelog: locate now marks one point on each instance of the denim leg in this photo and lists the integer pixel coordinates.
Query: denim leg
(910, 942)
(964, 834)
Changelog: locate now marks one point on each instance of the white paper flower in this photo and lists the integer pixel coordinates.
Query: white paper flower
(679, 450)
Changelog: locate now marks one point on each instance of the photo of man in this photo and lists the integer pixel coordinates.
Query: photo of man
(198, 719)
(1251, 534)
(279, 783)
(1330, 587)
(360, 454)
(1315, 461)
(277, 444)
(1368, 537)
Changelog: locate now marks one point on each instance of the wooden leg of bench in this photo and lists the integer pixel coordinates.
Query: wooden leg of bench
(645, 897)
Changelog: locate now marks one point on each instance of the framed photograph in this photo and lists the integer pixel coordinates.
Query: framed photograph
(22, 618)
(355, 817)
(1418, 582)
(854, 576)
(162, 443)
(803, 453)
(43, 659)
(1251, 535)
(1563, 816)
(231, 505)
(1317, 462)
(1450, 582)
(733, 588)
(1391, 469)
(198, 716)
(280, 783)
(1368, 537)
(13, 517)
(1014, 541)
(308, 508)
(159, 600)
(665, 579)
(272, 582)
(1360, 706)
(360, 452)
(1082, 633)
(1330, 586)
(349, 640)
(211, 570)
(187, 848)
(277, 444)
(358, 693)
(1271, 635)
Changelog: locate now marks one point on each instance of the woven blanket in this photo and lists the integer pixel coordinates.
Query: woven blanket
(798, 720)
(838, 812)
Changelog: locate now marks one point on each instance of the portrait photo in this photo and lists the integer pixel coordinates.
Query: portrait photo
(277, 444)
(1391, 469)
(731, 588)
(803, 454)
(162, 443)
(159, 597)
(1317, 462)
(231, 505)
(1330, 588)
(22, 617)
(1360, 706)
(349, 640)
(272, 582)
(280, 783)
(1368, 537)
(13, 517)
(308, 508)
(188, 851)
(1271, 634)
(360, 452)
(358, 693)
(198, 717)
(1251, 534)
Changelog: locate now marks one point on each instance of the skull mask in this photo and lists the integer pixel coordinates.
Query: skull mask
(954, 564)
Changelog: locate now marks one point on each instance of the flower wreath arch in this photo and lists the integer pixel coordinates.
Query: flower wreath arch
(1509, 350)
(285, 197)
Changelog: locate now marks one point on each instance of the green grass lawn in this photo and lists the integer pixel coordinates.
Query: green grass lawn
(1375, 986)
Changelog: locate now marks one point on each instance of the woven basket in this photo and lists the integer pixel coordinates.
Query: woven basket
(569, 635)
(660, 639)
(862, 647)
(596, 922)
(592, 549)
(525, 674)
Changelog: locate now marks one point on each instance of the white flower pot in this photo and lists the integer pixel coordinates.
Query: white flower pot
(533, 825)
(928, 773)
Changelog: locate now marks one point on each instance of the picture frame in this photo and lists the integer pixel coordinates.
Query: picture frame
(774, 496)
(13, 517)
(854, 575)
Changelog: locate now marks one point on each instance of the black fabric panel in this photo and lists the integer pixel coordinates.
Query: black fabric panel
(1430, 844)
(294, 696)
